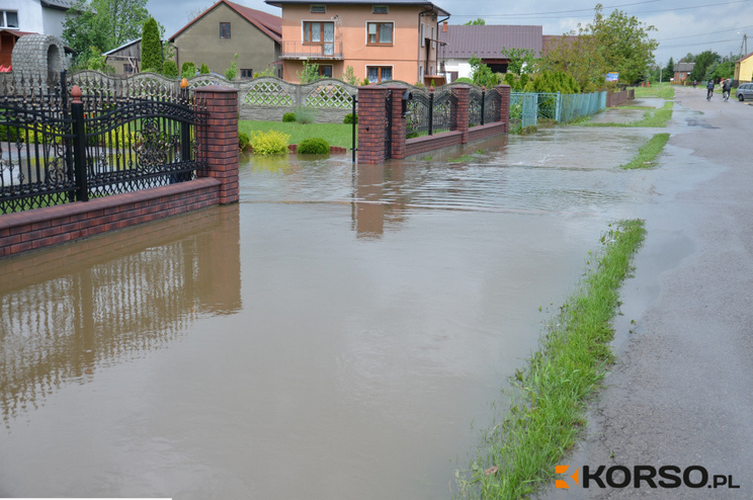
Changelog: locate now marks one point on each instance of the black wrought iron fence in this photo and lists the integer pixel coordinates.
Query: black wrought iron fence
(430, 112)
(110, 139)
(491, 109)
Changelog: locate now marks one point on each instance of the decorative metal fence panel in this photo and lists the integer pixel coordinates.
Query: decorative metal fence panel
(418, 118)
(476, 98)
(491, 106)
(442, 116)
(121, 136)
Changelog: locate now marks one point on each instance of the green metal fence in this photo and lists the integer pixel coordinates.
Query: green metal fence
(527, 107)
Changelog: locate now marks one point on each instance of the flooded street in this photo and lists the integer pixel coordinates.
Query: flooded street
(338, 334)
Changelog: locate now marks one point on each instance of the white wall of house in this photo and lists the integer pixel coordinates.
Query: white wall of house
(53, 21)
(35, 18)
(459, 65)
(30, 16)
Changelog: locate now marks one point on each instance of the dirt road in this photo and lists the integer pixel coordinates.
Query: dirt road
(681, 393)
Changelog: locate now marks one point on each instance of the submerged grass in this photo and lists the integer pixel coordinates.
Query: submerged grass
(646, 157)
(548, 407)
(651, 118)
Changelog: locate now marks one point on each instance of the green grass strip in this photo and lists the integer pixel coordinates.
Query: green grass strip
(550, 395)
(655, 118)
(662, 91)
(646, 157)
(336, 134)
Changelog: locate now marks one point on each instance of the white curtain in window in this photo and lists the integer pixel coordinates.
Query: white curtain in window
(385, 33)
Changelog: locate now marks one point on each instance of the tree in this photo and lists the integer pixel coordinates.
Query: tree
(232, 71)
(102, 24)
(309, 74)
(520, 60)
(669, 71)
(481, 73)
(702, 63)
(616, 43)
(151, 47)
(477, 22)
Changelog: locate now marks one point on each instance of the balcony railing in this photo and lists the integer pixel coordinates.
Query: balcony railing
(322, 50)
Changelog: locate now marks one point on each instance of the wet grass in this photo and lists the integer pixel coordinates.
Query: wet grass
(336, 134)
(661, 90)
(550, 395)
(653, 118)
(646, 157)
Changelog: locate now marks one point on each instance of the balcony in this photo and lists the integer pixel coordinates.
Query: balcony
(330, 51)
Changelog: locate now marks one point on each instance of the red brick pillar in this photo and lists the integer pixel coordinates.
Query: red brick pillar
(504, 105)
(398, 123)
(463, 110)
(220, 139)
(372, 124)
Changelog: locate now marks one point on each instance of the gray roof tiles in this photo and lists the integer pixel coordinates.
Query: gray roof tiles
(487, 41)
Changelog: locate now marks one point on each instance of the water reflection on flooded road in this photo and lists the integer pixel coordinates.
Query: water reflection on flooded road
(333, 336)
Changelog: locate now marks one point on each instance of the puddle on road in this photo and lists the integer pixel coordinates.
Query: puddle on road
(338, 334)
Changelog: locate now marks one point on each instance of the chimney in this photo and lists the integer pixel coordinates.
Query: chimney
(444, 27)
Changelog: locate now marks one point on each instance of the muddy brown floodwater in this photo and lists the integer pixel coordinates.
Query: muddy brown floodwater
(338, 334)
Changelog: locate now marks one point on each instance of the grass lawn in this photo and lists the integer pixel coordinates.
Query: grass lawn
(336, 134)
(662, 90)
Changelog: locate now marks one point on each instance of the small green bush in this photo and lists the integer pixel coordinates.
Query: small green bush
(243, 141)
(204, 70)
(288, 117)
(313, 146)
(304, 114)
(463, 79)
(170, 69)
(351, 118)
(188, 70)
(272, 142)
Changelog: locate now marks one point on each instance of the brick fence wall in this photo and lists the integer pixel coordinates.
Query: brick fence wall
(373, 126)
(42, 227)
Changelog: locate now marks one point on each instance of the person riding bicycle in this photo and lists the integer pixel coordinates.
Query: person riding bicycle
(710, 89)
(726, 87)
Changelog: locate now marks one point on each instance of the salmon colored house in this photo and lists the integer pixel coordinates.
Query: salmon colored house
(391, 40)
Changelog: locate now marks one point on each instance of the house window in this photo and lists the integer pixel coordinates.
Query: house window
(247, 74)
(128, 69)
(379, 9)
(431, 69)
(224, 30)
(318, 9)
(9, 19)
(379, 33)
(325, 70)
(423, 30)
(433, 42)
(421, 73)
(377, 74)
(316, 33)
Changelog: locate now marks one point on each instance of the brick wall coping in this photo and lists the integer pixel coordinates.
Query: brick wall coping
(107, 203)
(216, 88)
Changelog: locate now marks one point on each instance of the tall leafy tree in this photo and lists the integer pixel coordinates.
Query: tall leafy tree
(668, 71)
(703, 61)
(520, 60)
(101, 25)
(617, 42)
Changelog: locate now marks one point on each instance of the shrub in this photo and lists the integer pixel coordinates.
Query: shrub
(288, 117)
(304, 114)
(232, 71)
(204, 70)
(313, 146)
(463, 79)
(351, 118)
(151, 47)
(188, 70)
(244, 141)
(273, 142)
(170, 69)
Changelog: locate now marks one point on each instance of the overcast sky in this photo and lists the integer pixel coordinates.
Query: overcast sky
(683, 25)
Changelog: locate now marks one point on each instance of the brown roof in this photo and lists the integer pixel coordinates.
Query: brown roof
(487, 41)
(269, 24)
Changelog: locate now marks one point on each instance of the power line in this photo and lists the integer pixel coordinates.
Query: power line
(709, 33)
(550, 14)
